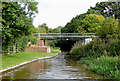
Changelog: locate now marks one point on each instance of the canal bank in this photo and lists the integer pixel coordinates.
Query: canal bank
(59, 67)
(25, 63)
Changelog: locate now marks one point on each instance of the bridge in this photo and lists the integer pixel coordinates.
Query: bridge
(64, 36)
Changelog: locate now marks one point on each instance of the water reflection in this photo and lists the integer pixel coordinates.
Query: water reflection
(56, 68)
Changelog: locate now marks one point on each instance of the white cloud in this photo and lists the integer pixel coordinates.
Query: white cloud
(58, 12)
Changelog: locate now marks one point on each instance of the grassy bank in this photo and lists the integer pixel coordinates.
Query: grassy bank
(14, 59)
(100, 57)
(106, 66)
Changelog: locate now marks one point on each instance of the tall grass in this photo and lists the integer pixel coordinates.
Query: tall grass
(106, 66)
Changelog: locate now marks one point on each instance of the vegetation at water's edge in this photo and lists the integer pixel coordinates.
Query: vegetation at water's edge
(14, 59)
(100, 57)
(106, 66)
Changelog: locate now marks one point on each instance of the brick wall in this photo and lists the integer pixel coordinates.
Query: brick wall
(39, 43)
(44, 49)
(39, 47)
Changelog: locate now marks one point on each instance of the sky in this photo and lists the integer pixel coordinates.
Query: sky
(58, 12)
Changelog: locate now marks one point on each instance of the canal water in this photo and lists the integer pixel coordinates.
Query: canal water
(59, 67)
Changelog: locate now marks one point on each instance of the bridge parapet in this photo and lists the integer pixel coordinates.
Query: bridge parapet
(64, 35)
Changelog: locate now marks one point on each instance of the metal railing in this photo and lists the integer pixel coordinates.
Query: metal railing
(65, 35)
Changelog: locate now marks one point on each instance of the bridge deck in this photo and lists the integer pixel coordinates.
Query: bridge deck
(65, 35)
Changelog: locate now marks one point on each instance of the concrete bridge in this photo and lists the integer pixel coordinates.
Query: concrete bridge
(64, 36)
(85, 37)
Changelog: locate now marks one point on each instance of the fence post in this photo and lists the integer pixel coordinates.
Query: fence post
(14, 49)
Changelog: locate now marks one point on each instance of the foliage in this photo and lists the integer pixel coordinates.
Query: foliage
(109, 29)
(78, 43)
(41, 28)
(94, 48)
(107, 66)
(100, 56)
(78, 52)
(108, 9)
(91, 23)
(44, 29)
(97, 48)
(50, 43)
(57, 30)
(22, 43)
(80, 29)
(17, 21)
(113, 48)
(71, 27)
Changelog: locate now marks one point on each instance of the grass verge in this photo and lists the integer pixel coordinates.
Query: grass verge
(14, 59)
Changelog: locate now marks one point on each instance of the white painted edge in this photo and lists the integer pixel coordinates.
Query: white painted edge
(24, 63)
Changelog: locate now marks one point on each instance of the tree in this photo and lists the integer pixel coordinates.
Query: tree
(41, 29)
(17, 21)
(57, 30)
(91, 23)
(44, 26)
(72, 26)
(109, 29)
(108, 9)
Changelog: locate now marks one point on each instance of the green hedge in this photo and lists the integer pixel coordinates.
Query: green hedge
(97, 48)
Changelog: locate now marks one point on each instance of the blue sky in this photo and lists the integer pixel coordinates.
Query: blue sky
(58, 12)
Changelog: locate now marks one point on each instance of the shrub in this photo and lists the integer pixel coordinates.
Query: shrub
(94, 48)
(106, 66)
(97, 48)
(113, 48)
(109, 29)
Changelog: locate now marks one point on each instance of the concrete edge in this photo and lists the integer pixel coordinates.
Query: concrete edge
(25, 63)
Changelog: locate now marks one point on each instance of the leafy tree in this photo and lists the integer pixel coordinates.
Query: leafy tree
(72, 26)
(109, 29)
(17, 21)
(44, 26)
(91, 23)
(42, 29)
(108, 9)
(80, 29)
(57, 30)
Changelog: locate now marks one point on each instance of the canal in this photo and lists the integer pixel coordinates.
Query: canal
(58, 67)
